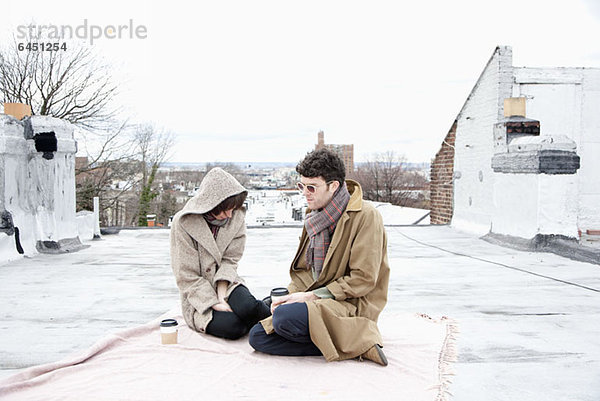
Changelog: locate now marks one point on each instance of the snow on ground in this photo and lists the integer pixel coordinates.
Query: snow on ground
(398, 215)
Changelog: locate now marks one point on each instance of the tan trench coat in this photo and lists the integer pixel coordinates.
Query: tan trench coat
(356, 272)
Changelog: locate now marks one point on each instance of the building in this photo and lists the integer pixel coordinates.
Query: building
(37, 186)
(345, 152)
(521, 157)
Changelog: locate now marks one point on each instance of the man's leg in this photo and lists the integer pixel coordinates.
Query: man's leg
(291, 322)
(291, 337)
(226, 325)
(249, 309)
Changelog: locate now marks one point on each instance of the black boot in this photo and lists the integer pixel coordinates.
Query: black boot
(249, 309)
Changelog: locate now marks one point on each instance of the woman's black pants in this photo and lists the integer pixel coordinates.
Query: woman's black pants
(247, 311)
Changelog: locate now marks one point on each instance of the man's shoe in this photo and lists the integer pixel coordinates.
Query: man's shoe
(375, 354)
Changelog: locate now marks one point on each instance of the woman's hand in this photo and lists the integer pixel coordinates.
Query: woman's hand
(222, 289)
(222, 307)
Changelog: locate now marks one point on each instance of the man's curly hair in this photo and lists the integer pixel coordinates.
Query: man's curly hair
(322, 163)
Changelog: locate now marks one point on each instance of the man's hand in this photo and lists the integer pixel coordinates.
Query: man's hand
(222, 307)
(293, 298)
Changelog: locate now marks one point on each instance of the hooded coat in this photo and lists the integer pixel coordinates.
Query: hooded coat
(356, 272)
(197, 259)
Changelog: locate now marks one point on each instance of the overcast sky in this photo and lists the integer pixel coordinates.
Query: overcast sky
(256, 80)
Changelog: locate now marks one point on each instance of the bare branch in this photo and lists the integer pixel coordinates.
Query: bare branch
(72, 85)
(385, 179)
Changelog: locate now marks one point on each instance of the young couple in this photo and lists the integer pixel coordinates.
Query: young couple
(339, 276)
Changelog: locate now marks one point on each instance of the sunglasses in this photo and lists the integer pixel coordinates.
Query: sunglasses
(310, 188)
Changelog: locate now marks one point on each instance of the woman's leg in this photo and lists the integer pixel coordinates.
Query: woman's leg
(249, 309)
(226, 325)
(291, 337)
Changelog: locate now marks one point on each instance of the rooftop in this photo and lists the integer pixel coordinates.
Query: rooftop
(528, 321)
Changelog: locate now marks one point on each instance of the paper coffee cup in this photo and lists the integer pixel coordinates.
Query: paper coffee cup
(277, 293)
(168, 331)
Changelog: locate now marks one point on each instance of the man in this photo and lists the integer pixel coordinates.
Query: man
(339, 275)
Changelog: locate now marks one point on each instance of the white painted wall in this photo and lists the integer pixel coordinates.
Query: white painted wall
(589, 151)
(529, 204)
(515, 209)
(474, 145)
(86, 225)
(566, 101)
(39, 193)
(13, 169)
(8, 251)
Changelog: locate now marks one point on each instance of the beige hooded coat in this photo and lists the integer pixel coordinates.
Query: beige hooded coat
(197, 259)
(356, 272)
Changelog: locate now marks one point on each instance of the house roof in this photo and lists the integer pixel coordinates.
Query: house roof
(519, 313)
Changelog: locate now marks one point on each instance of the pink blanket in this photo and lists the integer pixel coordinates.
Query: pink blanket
(134, 365)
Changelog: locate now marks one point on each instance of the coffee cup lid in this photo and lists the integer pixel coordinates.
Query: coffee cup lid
(168, 323)
(277, 292)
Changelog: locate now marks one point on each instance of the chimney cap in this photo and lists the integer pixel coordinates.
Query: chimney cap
(17, 110)
(514, 106)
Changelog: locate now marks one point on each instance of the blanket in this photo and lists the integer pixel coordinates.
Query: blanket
(133, 365)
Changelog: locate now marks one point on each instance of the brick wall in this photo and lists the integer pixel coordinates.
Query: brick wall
(442, 187)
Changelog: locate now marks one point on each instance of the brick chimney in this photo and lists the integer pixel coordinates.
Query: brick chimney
(320, 140)
(519, 148)
(17, 110)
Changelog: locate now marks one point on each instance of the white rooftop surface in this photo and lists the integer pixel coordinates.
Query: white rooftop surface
(523, 336)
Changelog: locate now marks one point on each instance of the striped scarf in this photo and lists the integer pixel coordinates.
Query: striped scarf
(320, 226)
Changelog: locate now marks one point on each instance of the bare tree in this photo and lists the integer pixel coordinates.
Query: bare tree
(165, 206)
(392, 176)
(377, 176)
(72, 84)
(122, 172)
(384, 178)
(153, 147)
(368, 175)
(109, 159)
(76, 86)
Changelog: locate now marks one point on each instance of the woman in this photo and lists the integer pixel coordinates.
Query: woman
(207, 241)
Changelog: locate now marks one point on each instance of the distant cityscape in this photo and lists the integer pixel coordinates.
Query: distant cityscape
(271, 165)
(388, 178)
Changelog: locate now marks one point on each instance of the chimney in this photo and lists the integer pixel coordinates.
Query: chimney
(514, 125)
(519, 147)
(320, 140)
(17, 110)
(514, 106)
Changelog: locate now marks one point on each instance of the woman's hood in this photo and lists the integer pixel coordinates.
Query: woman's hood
(216, 186)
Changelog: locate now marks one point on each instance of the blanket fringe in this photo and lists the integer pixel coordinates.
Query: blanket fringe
(448, 355)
